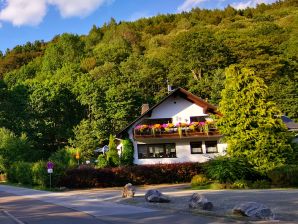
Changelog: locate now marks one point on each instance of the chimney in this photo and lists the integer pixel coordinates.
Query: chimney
(145, 108)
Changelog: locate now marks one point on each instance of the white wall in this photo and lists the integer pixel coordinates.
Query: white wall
(177, 108)
(183, 153)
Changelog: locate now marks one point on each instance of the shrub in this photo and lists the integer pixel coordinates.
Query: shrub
(261, 184)
(284, 176)
(141, 174)
(102, 161)
(14, 148)
(12, 173)
(39, 174)
(63, 160)
(240, 184)
(20, 172)
(199, 180)
(112, 154)
(126, 158)
(229, 169)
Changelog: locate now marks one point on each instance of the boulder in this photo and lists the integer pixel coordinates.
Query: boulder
(254, 210)
(156, 196)
(200, 201)
(128, 191)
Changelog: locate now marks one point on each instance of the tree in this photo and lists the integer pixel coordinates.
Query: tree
(112, 154)
(68, 49)
(127, 153)
(15, 148)
(250, 123)
(85, 139)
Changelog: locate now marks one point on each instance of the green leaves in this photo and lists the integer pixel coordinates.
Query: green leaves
(250, 123)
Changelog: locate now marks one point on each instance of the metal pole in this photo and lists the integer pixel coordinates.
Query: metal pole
(50, 181)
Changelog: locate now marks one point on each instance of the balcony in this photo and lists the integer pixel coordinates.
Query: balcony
(170, 131)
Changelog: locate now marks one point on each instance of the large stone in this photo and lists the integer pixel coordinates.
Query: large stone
(199, 201)
(128, 191)
(254, 210)
(156, 196)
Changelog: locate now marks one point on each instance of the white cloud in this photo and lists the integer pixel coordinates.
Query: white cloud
(81, 8)
(20, 12)
(32, 12)
(189, 4)
(250, 3)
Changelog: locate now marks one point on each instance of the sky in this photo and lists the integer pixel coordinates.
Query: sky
(29, 20)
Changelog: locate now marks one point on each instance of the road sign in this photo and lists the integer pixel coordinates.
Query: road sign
(50, 165)
(50, 170)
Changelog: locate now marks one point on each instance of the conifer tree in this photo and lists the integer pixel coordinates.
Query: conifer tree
(250, 122)
(112, 154)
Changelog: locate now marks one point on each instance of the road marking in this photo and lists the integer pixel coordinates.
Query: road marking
(13, 217)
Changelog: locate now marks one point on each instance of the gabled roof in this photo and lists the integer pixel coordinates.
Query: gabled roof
(291, 125)
(207, 107)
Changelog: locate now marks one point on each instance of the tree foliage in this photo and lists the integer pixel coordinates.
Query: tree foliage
(250, 122)
(77, 90)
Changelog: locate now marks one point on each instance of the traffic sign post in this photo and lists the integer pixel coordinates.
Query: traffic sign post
(50, 167)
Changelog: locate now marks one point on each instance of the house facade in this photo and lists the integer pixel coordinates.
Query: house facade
(178, 129)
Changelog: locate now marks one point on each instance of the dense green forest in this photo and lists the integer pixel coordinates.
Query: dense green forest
(77, 90)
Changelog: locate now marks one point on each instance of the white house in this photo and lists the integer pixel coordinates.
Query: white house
(177, 129)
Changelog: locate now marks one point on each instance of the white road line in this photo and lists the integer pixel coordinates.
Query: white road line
(13, 217)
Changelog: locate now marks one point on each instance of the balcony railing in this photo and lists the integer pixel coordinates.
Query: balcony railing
(183, 131)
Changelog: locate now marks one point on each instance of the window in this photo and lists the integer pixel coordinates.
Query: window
(211, 147)
(167, 150)
(198, 119)
(196, 148)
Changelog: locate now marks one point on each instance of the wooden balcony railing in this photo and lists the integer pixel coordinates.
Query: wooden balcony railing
(174, 133)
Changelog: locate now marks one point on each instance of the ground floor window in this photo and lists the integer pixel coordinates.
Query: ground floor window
(167, 150)
(211, 147)
(196, 148)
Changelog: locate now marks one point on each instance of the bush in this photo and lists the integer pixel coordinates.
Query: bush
(14, 148)
(102, 161)
(20, 172)
(240, 184)
(261, 184)
(126, 158)
(199, 180)
(12, 173)
(137, 175)
(112, 154)
(39, 174)
(229, 169)
(284, 176)
(63, 160)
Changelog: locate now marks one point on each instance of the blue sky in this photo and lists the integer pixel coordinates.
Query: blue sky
(30, 20)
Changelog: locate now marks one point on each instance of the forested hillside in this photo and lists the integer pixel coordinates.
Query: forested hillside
(76, 90)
